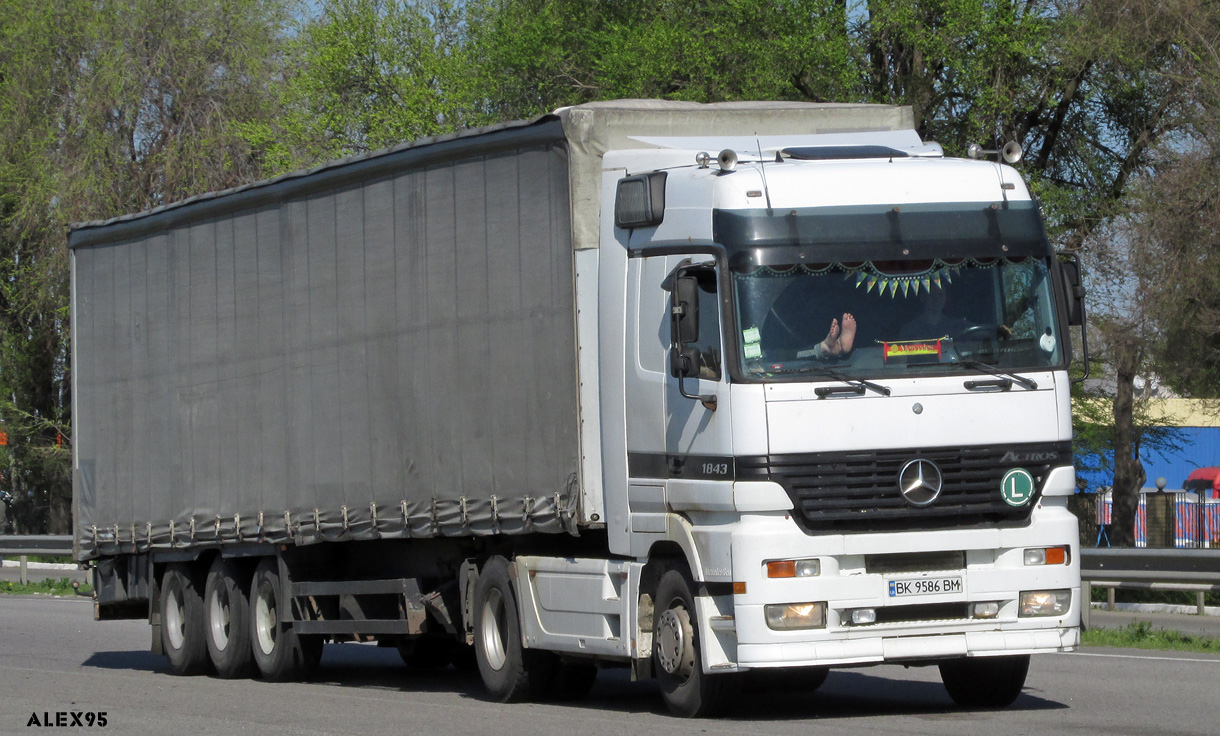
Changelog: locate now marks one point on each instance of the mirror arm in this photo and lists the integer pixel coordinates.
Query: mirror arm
(708, 400)
(1084, 344)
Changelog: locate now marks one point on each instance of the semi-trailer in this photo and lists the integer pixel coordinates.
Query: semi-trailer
(688, 389)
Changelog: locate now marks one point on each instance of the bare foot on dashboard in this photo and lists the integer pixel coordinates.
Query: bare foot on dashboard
(830, 346)
(848, 336)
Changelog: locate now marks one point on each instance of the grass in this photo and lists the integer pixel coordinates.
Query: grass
(63, 586)
(1141, 635)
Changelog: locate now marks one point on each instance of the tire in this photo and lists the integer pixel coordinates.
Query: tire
(226, 603)
(986, 682)
(426, 652)
(511, 673)
(677, 651)
(279, 652)
(183, 628)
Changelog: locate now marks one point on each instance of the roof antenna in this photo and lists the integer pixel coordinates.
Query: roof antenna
(762, 168)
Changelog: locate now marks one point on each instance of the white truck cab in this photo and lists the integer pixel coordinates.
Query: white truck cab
(834, 385)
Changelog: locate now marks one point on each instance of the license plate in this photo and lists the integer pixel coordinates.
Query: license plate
(924, 586)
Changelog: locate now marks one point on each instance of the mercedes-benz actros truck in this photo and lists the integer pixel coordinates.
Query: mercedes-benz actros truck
(693, 390)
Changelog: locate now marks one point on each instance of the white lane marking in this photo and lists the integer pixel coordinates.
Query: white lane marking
(1135, 656)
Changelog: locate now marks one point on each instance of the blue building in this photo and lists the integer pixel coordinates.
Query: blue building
(1200, 438)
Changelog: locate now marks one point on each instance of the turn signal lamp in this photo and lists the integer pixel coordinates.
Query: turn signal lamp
(783, 616)
(1047, 556)
(1045, 602)
(794, 568)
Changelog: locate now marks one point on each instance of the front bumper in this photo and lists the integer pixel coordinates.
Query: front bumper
(994, 571)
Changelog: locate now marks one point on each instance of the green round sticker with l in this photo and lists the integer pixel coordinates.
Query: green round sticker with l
(1017, 487)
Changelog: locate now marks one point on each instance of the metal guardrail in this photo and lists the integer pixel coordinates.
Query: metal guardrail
(24, 545)
(36, 544)
(1191, 570)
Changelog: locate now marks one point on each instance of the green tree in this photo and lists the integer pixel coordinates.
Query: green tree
(368, 74)
(105, 108)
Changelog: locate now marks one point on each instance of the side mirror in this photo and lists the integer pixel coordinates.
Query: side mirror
(1074, 291)
(684, 308)
(684, 361)
(684, 316)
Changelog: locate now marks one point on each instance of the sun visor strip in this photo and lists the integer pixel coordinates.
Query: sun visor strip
(845, 234)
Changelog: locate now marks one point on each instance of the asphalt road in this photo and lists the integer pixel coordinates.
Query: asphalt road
(55, 658)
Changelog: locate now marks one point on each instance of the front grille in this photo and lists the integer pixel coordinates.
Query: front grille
(914, 562)
(850, 492)
(922, 612)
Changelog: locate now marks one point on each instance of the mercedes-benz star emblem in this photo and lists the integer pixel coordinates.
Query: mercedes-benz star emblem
(920, 482)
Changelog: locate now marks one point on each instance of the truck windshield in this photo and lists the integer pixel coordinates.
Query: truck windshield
(881, 316)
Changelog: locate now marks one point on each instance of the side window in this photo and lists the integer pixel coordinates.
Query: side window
(708, 343)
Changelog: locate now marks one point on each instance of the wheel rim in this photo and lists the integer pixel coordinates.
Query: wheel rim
(493, 625)
(674, 643)
(219, 613)
(266, 619)
(175, 618)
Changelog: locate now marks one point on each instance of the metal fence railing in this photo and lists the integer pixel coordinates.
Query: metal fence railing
(22, 546)
(1177, 520)
(1189, 570)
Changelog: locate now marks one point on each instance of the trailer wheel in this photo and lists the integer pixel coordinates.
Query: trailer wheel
(183, 628)
(279, 652)
(677, 651)
(226, 599)
(986, 682)
(510, 672)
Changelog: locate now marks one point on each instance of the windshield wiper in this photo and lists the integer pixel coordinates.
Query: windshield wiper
(978, 365)
(857, 384)
(1028, 383)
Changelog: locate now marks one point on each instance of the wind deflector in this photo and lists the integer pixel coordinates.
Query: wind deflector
(839, 153)
(862, 232)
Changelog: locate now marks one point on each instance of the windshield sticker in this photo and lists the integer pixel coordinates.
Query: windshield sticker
(911, 347)
(752, 350)
(1047, 343)
(752, 335)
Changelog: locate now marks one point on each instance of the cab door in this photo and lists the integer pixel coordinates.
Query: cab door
(698, 438)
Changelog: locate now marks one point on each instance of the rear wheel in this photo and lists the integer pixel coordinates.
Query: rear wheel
(183, 626)
(227, 608)
(985, 682)
(510, 672)
(279, 652)
(677, 651)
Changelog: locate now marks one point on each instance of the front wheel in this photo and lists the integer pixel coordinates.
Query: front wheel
(677, 651)
(985, 682)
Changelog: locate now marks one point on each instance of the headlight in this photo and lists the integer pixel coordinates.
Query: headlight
(1045, 602)
(781, 616)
